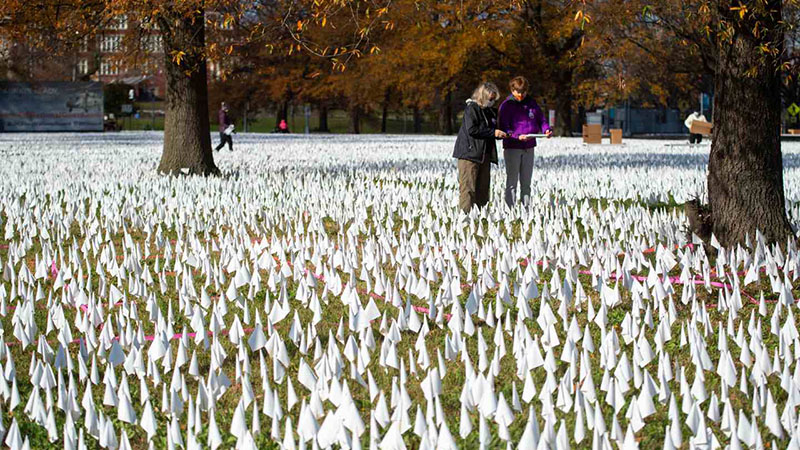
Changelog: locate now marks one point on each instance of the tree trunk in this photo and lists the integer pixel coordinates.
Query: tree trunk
(563, 103)
(745, 167)
(355, 120)
(187, 140)
(246, 107)
(417, 120)
(446, 115)
(385, 111)
(323, 119)
(563, 115)
(283, 112)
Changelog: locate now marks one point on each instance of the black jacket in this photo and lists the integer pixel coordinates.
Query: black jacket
(476, 139)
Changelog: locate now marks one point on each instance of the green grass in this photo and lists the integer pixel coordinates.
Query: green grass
(338, 122)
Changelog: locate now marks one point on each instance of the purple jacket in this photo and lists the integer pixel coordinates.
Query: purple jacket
(517, 118)
(224, 120)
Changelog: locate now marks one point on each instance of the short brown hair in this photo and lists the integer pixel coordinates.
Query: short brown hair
(519, 84)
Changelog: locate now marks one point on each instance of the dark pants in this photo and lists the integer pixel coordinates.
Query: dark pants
(223, 138)
(695, 138)
(473, 183)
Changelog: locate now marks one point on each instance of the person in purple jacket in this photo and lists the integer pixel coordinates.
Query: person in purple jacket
(520, 116)
(224, 123)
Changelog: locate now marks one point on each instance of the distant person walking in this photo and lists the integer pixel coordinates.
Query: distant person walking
(520, 116)
(282, 127)
(225, 128)
(475, 147)
(694, 138)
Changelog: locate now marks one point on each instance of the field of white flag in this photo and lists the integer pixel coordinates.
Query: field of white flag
(327, 292)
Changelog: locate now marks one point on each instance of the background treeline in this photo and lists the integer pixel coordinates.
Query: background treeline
(409, 66)
(424, 58)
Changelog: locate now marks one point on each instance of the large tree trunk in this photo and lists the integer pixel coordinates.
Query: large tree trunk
(355, 120)
(745, 168)
(187, 140)
(446, 115)
(323, 119)
(417, 120)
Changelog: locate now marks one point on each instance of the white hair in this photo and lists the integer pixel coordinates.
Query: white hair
(483, 93)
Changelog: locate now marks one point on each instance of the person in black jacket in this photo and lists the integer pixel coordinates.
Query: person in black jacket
(475, 147)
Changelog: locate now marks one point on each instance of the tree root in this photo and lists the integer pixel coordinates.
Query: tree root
(203, 170)
(699, 216)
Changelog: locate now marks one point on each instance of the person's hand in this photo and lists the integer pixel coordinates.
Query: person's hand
(549, 133)
(500, 134)
(524, 137)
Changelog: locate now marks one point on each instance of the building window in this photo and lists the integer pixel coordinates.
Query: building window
(152, 43)
(111, 44)
(84, 44)
(4, 50)
(214, 69)
(147, 23)
(119, 23)
(223, 24)
(83, 66)
(109, 68)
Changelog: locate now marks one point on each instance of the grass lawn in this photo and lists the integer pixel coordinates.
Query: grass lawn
(338, 122)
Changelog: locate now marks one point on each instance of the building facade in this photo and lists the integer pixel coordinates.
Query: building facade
(125, 51)
(109, 58)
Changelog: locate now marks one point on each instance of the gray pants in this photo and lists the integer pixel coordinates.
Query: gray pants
(519, 170)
